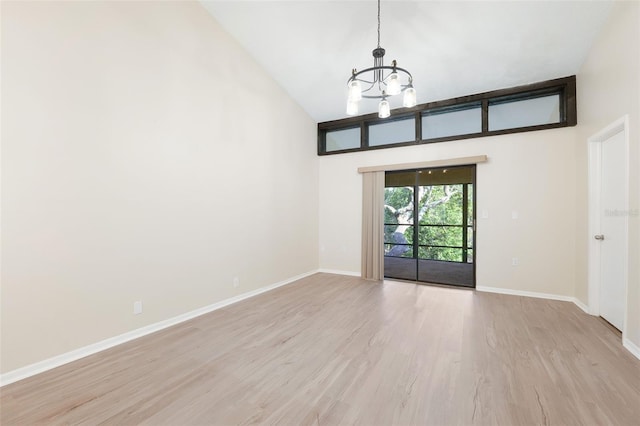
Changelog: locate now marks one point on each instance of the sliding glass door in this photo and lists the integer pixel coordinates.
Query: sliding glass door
(429, 225)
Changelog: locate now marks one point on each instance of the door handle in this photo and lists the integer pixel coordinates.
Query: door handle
(599, 237)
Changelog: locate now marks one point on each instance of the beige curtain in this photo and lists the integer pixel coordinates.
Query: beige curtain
(372, 225)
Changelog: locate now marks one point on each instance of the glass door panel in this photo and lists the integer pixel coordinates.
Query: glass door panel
(399, 230)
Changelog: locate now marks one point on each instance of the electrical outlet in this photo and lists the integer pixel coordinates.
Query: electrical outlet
(514, 214)
(515, 261)
(137, 307)
(236, 282)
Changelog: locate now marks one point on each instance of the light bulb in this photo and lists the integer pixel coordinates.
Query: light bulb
(352, 107)
(393, 84)
(355, 91)
(409, 100)
(383, 109)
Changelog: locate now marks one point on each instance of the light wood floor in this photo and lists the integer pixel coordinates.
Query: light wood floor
(338, 350)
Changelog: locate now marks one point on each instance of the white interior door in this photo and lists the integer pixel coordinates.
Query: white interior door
(612, 235)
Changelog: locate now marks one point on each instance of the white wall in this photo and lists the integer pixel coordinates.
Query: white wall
(145, 156)
(532, 173)
(608, 88)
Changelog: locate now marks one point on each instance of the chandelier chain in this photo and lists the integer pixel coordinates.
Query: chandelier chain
(378, 23)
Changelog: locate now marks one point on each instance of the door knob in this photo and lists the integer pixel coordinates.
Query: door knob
(599, 237)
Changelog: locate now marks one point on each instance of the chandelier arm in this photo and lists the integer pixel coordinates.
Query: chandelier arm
(381, 96)
(383, 67)
(370, 83)
(373, 96)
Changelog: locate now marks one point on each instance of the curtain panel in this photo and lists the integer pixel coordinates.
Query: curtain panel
(373, 225)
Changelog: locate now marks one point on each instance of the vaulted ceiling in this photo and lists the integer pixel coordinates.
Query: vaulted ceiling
(452, 48)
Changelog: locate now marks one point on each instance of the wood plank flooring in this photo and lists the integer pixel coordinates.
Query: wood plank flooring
(332, 350)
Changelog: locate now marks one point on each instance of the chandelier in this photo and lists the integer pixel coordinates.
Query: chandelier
(380, 82)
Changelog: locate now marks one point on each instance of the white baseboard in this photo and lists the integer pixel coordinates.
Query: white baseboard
(550, 296)
(581, 305)
(631, 347)
(525, 293)
(57, 361)
(335, 271)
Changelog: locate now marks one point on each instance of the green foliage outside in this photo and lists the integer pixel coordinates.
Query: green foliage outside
(437, 205)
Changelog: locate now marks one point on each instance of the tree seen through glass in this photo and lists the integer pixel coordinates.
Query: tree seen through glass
(439, 219)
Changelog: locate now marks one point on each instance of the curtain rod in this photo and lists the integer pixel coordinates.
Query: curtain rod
(426, 164)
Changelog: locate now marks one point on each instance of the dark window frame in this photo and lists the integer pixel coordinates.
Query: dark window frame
(564, 87)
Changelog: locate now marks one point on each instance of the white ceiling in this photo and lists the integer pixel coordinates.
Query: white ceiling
(452, 48)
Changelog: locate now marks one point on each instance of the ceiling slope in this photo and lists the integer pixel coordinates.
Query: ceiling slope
(452, 48)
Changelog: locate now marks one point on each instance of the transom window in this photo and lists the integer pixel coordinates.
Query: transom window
(546, 105)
